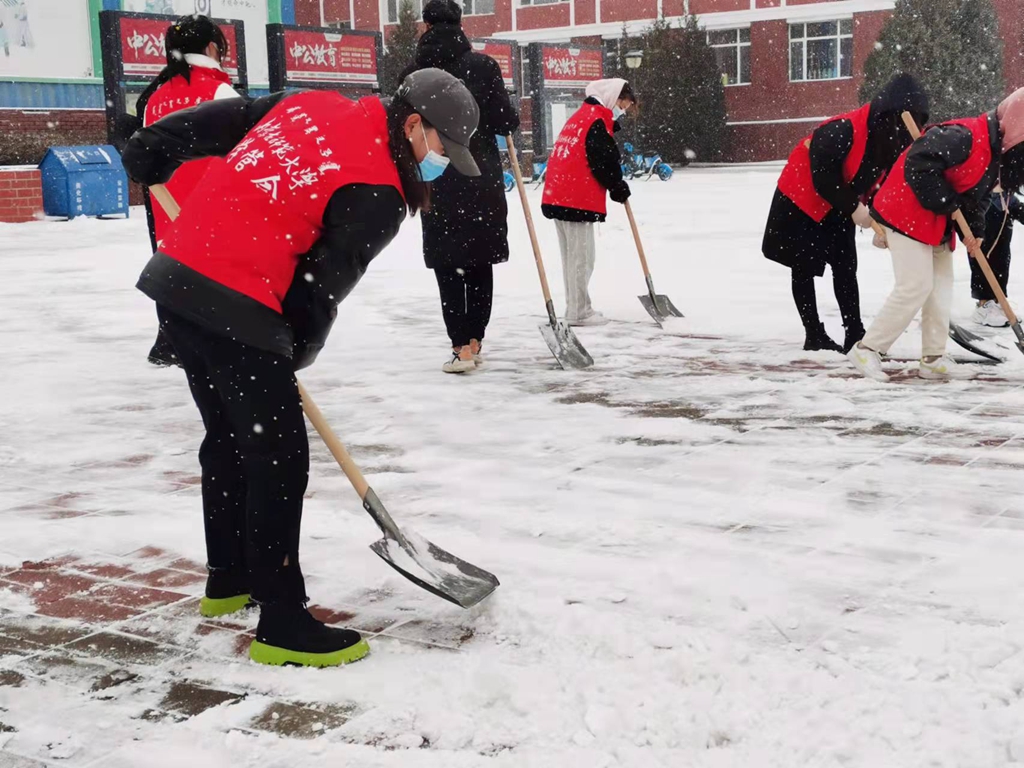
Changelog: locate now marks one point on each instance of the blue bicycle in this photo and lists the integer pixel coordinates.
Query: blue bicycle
(637, 165)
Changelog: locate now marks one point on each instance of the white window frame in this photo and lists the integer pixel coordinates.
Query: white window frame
(540, 3)
(839, 36)
(386, 10)
(738, 45)
(462, 4)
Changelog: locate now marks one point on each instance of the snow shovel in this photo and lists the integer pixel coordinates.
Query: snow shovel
(979, 255)
(420, 561)
(560, 339)
(658, 306)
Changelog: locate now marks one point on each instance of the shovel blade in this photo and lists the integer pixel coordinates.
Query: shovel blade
(660, 307)
(435, 570)
(972, 342)
(1019, 333)
(564, 345)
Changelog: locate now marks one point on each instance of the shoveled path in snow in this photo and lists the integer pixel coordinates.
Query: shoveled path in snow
(715, 549)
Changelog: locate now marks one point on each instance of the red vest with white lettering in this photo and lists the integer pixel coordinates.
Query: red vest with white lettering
(569, 182)
(899, 206)
(179, 93)
(261, 207)
(795, 181)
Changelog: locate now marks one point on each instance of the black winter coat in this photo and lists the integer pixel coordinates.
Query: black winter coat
(794, 239)
(943, 147)
(605, 163)
(467, 224)
(360, 220)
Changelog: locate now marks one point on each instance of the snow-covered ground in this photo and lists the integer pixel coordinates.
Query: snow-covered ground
(715, 549)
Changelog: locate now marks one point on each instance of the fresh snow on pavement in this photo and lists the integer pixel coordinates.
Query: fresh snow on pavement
(715, 549)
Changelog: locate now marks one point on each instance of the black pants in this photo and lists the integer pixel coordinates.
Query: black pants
(466, 297)
(999, 260)
(844, 283)
(255, 457)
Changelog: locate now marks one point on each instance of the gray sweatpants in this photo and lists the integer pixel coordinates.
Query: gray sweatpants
(579, 252)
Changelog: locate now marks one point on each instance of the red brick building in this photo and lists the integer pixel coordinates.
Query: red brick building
(790, 63)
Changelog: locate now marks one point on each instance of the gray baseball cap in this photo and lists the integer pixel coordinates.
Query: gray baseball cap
(445, 102)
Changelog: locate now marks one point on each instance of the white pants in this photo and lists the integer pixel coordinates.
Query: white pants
(579, 252)
(924, 282)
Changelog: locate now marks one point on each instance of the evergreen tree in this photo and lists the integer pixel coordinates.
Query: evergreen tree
(401, 48)
(952, 46)
(682, 99)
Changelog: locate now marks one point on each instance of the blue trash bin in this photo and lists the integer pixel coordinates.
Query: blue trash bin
(84, 181)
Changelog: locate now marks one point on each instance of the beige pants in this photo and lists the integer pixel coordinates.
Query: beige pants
(579, 253)
(924, 283)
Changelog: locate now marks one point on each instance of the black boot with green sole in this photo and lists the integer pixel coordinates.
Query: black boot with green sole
(227, 591)
(288, 634)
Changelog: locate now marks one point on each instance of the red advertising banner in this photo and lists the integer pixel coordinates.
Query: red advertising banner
(326, 57)
(571, 67)
(502, 53)
(143, 51)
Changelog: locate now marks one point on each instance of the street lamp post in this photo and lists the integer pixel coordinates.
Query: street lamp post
(634, 59)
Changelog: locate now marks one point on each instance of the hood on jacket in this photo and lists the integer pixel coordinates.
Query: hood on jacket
(442, 44)
(442, 12)
(901, 94)
(606, 91)
(1010, 114)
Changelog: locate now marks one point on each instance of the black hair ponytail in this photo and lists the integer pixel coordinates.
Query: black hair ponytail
(189, 34)
(416, 191)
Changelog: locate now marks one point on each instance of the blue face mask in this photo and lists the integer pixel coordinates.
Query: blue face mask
(433, 165)
(617, 112)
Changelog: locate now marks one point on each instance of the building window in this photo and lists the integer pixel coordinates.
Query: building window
(340, 24)
(732, 50)
(477, 7)
(821, 50)
(395, 5)
(525, 3)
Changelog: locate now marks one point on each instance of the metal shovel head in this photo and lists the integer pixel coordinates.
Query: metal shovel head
(435, 570)
(660, 307)
(565, 346)
(972, 342)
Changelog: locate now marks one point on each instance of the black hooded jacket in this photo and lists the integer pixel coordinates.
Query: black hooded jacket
(466, 226)
(887, 138)
(943, 147)
(605, 163)
(794, 239)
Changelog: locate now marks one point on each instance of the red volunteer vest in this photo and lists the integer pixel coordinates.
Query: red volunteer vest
(569, 182)
(899, 206)
(178, 93)
(261, 207)
(795, 181)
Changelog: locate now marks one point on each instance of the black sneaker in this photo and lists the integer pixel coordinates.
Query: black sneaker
(288, 634)
(227, 591)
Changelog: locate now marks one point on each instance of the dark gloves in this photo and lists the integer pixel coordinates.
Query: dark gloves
(619, 193)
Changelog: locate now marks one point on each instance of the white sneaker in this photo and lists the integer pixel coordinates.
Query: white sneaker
(594, 318)
(990, 314)
(944, 368)
(868, 362)
(458, 365)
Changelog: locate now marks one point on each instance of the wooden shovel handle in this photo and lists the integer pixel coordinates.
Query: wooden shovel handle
(517, 172)
(316, 418)
(334, 445)
(636, 237)
(965, 228)
(163, 196)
